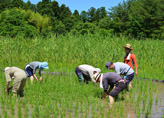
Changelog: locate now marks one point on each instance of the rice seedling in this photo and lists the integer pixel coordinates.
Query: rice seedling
(61, 95)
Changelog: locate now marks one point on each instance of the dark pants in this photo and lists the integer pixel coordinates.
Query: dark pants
(120, 86)
(130, 77)
(81, 76)
(29, 71)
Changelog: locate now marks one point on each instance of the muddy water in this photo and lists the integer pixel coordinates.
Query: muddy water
(158, 103)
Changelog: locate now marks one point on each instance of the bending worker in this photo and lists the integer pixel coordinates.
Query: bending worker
(122, 69)
(19, 77)
(117, 84)
(31, 68)
(85, 72)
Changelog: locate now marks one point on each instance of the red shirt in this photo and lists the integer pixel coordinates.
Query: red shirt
(131, 61)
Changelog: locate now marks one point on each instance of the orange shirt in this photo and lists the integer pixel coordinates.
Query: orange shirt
(131, 61)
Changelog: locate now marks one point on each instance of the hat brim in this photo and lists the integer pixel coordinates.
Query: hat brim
(43, 68)
(127, 47)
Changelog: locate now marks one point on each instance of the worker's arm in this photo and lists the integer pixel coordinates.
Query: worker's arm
(7, 86)
(106, 93)
(35, 77)
(110, 90)
(135, 63)
(103, 98)
(105, 86)
(40, 76)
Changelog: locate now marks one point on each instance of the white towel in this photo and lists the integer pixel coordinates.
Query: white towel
(101, 84)
(128, 58)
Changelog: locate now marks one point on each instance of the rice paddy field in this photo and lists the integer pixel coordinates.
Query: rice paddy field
(61, 96)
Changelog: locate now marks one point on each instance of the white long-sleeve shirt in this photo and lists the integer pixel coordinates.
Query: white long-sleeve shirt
(88, 70)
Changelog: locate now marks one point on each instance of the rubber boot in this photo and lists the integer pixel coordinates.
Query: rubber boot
(81, 78)
(21, 93)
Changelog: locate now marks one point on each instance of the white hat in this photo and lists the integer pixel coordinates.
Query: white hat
(96, 76)
(98, 70)
(6, 68)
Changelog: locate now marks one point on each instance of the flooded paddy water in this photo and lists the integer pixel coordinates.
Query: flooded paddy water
(157, 106)
(66, 99)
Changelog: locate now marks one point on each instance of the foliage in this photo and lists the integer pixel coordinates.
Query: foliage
(25, 23)
(85, 28)
(142, 19)
(13, 22)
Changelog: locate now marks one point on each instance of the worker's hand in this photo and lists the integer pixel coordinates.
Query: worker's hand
(41, 79)
(6, 90)
(136, 73)
(103, 98)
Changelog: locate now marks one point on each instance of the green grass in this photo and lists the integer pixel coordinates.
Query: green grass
(65, 53)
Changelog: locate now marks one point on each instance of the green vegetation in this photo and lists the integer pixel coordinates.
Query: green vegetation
(65, 53)
(141, 19)
(64, 97)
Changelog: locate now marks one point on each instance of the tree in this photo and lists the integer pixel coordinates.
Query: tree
(103, 12)
(12, 23)
(92, 14)
(84, 16)
(45, 8)
(65, 12)
(18, 3)
(28, 5)
(105, 23)
(55, 10)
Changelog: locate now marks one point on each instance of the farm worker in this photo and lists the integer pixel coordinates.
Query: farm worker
(85, 72)
(130, 58)
(19, 77)
(117, 84)
(123, 70)
(30, 69)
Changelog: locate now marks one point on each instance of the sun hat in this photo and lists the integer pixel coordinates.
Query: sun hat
(43, 65)
(128, 46)
(107, 65)
(6, 69)
(96, 76)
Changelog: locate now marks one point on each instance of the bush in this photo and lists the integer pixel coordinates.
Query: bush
(25, 23)
(85, 28)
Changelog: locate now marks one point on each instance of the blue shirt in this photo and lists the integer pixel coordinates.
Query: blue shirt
(122, 68)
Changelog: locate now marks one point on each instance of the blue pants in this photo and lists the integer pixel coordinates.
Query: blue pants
(81, 76)
(130, 77)
(29, 71)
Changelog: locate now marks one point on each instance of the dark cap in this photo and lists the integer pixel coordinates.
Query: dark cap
(108, 65)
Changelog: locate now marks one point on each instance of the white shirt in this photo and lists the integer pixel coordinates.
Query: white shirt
(88, 70)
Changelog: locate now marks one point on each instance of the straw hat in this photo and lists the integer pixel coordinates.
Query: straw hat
(96, 76)
(128, 46)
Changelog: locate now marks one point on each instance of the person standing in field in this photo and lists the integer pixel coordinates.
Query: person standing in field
(19, 77)
(117, 84)
(123, 70)
(31, 68)
(130, 58)
(85, 72)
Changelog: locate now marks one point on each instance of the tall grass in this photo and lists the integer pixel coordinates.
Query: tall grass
(64, 53)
